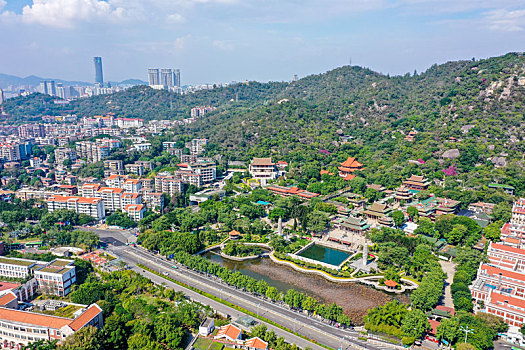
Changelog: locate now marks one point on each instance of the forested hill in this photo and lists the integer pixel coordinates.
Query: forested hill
(474, 108)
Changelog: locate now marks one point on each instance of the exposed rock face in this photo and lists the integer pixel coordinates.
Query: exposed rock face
(499, 162)
(451, 154)
(466, 128)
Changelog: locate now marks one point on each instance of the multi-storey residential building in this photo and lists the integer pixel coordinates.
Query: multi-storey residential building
(10, 152)
(154, 201)
(135, 211)
(115, 165)
(132, 185)
(137, 169)
(20, 328)
(499, 288)
(31, 130)
(201, 111)
(92, 151)
(129, 122)
(171, 148)
(62, 154)
(114, 198)
(206, 169)
(148, 165)
(147, 184)
(26, 193)
(197, 146)
(82, 205)
(167, 183)
(263, 170)
(513, 232)
(56, 277)
(141, 147)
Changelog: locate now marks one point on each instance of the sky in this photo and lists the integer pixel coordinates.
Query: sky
(236, 40)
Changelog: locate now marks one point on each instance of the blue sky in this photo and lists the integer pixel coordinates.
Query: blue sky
(234, 40)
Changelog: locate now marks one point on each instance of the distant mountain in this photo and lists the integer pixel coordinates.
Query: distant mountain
(33, 80)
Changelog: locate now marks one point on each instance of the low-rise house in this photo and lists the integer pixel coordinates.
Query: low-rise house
(230, 333)
(206, 327)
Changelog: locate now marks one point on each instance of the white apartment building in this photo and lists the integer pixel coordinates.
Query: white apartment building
(137, 169)
(63, 153)
(9, 152)
(135, 211)
(197, 146)
(141, 147)
(206, 169)
(82, 205)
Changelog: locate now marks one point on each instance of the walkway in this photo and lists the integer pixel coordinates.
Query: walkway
(449, 268)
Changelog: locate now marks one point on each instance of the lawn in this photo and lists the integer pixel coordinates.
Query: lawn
(207, 344)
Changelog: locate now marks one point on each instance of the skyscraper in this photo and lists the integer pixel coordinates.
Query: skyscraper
(99, 78)
(166, 77)
(176, 74)
(1, 96)
(153, 76)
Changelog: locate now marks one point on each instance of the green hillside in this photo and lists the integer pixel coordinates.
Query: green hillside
(475, 107)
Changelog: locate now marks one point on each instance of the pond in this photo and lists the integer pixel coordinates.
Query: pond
(324, 254)
(354, 298)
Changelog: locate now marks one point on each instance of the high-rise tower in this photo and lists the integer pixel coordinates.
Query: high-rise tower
(153, 76)
(99, 78)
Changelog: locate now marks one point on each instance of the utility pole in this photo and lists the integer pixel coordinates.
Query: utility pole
(467, 331)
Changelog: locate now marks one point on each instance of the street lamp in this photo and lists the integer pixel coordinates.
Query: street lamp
(467, 331)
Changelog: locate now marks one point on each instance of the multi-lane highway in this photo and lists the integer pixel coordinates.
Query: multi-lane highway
(305, 325)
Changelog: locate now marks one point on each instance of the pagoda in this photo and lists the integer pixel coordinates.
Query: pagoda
(348, 167)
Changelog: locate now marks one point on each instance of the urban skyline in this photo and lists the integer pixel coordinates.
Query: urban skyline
(245, 39)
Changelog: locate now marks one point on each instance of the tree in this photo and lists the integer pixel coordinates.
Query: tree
(493, 231)
(399, 218)
(115, 333)
(412, 213)
(425, 227)
(502, 212)
(443, 224)
(448, 330)
(317, 221)
(415, 323)
(457, 233)
(87, 338)
(358, 185)
(372, 194)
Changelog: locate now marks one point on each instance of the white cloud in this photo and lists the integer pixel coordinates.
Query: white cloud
(179, 43)
(2, 4)
(66, 13)
(223, 44)
(506, 21)
(176, 18)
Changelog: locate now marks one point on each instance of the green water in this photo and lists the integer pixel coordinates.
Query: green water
(325, 254)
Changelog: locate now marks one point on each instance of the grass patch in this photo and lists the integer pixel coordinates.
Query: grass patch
(233, 306)
(202, 344)
(216, 346)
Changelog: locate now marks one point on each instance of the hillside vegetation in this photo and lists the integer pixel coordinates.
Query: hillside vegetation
(475, 107)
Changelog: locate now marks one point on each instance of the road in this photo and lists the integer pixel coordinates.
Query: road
(307, 326)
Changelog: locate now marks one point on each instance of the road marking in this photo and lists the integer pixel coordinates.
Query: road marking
(316, 330)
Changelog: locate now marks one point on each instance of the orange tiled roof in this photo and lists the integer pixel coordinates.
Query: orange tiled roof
(256, 343)
(507, 248)
(235, 233)
(7, 298)
(87, 316)
(351, 162)
(262, 161)
(84, 200)
(33, 318)
(348, 177)
(390, 283)
(134, 207)
(229, 331)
